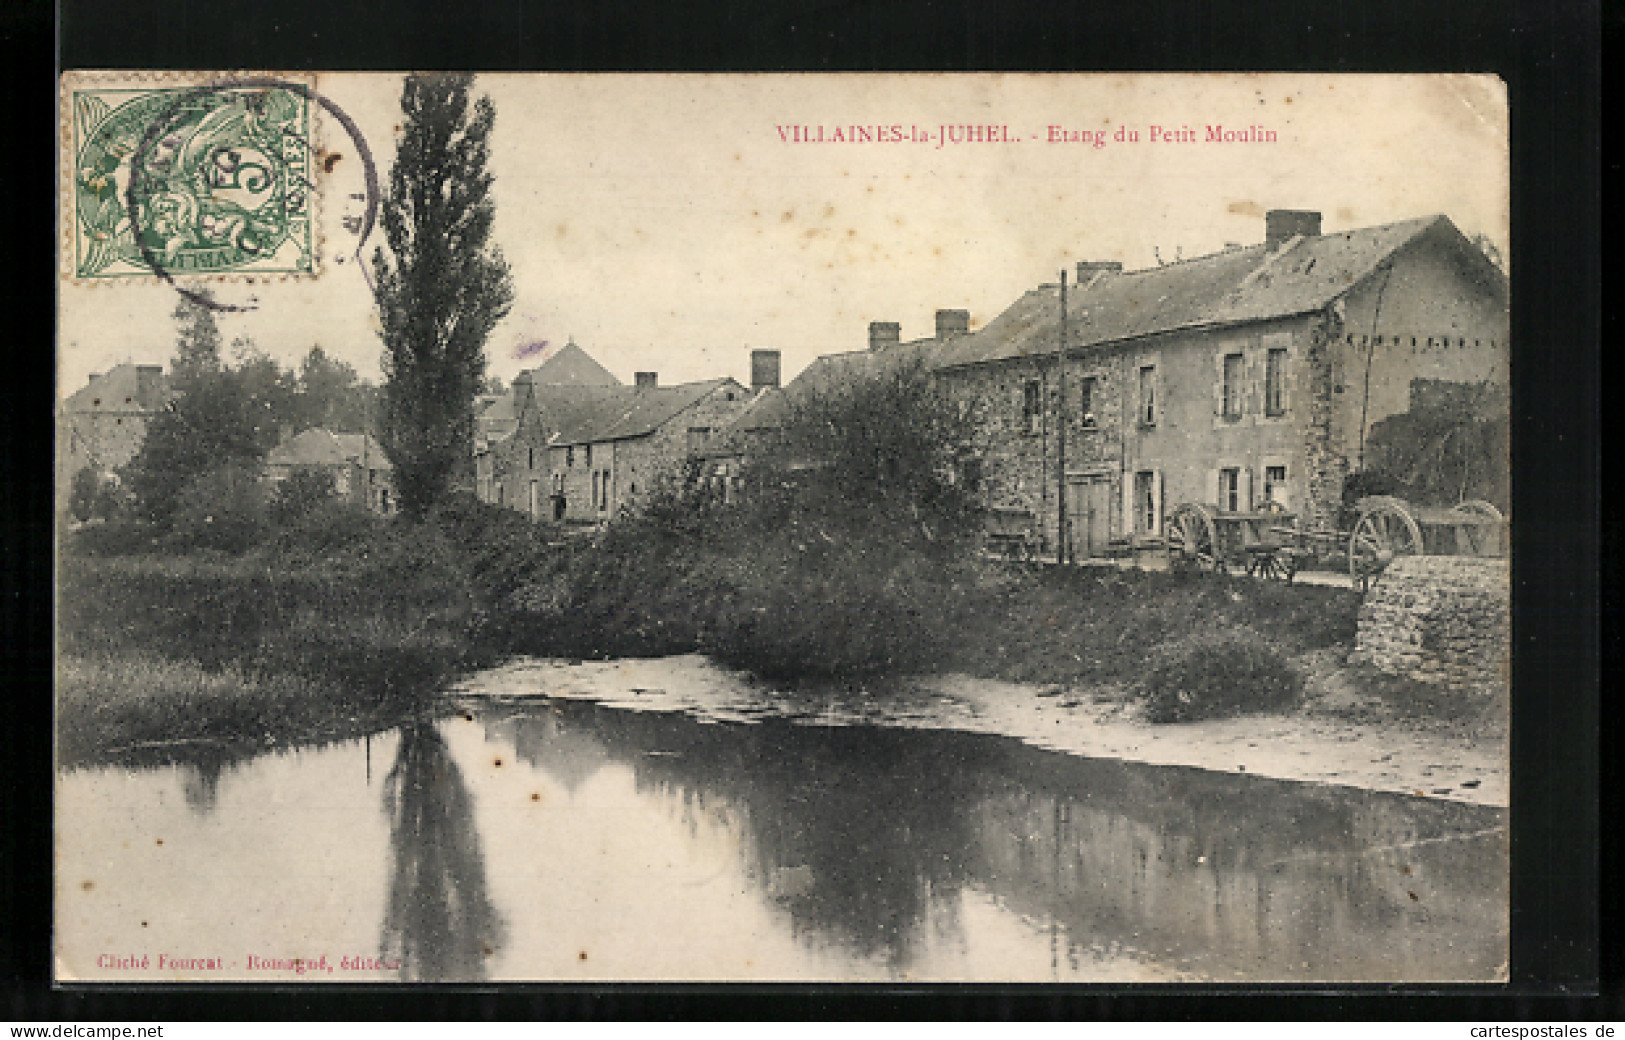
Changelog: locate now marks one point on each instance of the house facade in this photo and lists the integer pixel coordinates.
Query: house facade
(102, 425)
(583, 454)
(362, 474)
(1248, 377)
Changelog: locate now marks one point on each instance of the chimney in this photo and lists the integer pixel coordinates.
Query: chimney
(764, 370)
(1281, 225)
(1087, 269)
(952, 323)
(883, 334)
(646, 380)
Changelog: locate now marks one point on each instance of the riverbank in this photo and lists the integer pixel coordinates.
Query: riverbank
(1329, 739)
(287, 644)
(164, 657)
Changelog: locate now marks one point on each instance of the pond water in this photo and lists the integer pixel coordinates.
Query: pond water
(544, 838)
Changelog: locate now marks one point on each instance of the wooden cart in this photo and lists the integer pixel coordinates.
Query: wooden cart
(1011, 533)
(1273, 545)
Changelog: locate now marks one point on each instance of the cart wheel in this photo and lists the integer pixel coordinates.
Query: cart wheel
(1274, 566)
(1482, 539)
(1385, 530)
(1192, 541)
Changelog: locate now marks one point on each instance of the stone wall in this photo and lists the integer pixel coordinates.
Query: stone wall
(1442, 620)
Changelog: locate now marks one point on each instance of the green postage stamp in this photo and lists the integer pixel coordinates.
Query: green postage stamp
(212, 177)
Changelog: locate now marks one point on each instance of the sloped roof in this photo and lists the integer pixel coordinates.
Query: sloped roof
(1240, 285)
(570, 366)
(319, 447)
(768, 410)
(624, 412)
(123, 388)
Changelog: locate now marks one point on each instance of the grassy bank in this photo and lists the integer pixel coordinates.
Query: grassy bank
(300, 640)
(280, 645)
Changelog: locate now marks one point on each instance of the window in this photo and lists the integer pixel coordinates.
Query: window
(589, 456)
(1232, 386)
(1148, 395)
(1145, 502)
(697, 438)
(1032, 406)
(1275, 485)
(569, 456)
(531, 464)
(1086, 404)
(1275, 382)
(603, 490)
(595, 489)
(1230, 490)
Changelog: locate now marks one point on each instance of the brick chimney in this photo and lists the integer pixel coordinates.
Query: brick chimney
(764, 370)
(883, 334)
(1087, 269)
(951, 324)
(646, 380)
(1280, 225)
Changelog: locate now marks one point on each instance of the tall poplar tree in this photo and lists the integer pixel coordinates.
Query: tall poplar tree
(442, 286)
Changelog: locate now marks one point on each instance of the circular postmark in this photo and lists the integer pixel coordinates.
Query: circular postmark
(217, 179)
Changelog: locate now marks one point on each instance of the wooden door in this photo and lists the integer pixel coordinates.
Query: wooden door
(1089, 516)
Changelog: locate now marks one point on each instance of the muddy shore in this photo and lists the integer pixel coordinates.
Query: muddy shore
(1327, 740)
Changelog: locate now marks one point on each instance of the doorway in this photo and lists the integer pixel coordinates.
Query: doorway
(1089, 515)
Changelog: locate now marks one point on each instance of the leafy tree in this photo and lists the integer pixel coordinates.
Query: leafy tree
(220, 416)
(330, 395)
(85, 493)
(442, 286)
(222, 508)
(302, 491)
(197, 346)
(1452, 444)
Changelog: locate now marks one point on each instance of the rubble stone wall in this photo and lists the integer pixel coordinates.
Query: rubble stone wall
(1443, 620)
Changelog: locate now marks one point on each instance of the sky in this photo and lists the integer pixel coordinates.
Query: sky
(673, 223)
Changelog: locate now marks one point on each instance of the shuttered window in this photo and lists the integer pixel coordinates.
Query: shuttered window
(1275, 381)
(1032, 406)
(1232, 379)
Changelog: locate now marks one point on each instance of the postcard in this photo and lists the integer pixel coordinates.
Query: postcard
(814, 528)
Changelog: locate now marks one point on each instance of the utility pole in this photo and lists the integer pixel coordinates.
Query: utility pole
(1061, 542)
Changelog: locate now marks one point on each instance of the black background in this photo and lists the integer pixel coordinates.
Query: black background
(1549, 54)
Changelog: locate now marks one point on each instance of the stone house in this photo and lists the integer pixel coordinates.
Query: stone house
(613, 458)
(1248, 376)
(362, 474)
(548, 395)
(102, 425)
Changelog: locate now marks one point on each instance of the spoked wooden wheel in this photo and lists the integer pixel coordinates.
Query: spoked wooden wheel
(1483, 536)
(1276, 566)
(1385, 530)
(1192, 540)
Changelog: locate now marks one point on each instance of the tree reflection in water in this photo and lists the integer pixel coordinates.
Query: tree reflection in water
(440, 922)
(201, 784)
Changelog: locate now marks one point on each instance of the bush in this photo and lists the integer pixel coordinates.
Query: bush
(330, 526)
(301, 491)
(114, 538)
(1219, 675)
(224, 509)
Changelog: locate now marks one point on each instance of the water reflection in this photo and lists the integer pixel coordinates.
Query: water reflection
(439, 921)
(870, 839)
(625, 844)
(201, 785)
